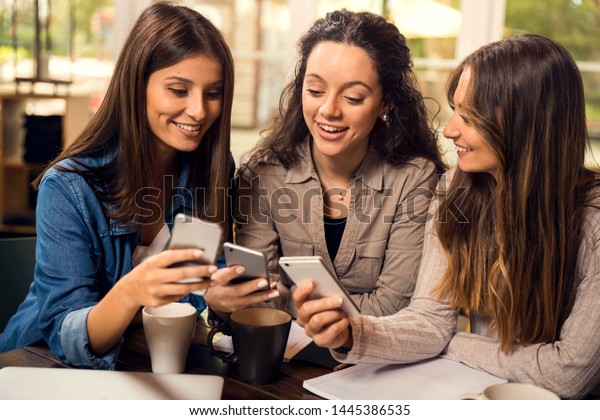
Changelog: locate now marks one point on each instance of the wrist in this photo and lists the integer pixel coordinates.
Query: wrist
(347, 346)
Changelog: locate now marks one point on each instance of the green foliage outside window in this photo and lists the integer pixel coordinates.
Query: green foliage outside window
(573, 23)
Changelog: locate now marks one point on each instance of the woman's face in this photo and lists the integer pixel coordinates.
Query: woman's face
(183, 101)
(341, 99)
(474, 155)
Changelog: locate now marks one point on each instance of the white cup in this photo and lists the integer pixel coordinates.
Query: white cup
(169, 330)
(512, 391)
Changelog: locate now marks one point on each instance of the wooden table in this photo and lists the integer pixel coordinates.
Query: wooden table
(134, 356)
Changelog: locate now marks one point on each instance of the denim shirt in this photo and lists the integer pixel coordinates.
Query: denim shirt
(80, 255)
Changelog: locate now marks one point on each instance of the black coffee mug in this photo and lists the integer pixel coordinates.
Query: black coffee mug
(260, 336)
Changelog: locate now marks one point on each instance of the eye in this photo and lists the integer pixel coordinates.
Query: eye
(354, 101)
(178, 92)
(465, 119)
(214, 95)
(314, 92)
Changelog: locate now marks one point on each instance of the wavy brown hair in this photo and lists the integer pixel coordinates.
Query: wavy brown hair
(162, 36)
(515, 260)
(407, 133)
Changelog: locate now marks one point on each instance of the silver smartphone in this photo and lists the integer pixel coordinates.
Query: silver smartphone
(303, 269)
(253, 261)
(191, 232)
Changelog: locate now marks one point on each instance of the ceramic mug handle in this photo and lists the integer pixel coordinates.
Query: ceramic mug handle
(231, 358)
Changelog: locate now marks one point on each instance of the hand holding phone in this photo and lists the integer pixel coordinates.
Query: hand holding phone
(191, 232)
(254, 262)
(303, 269)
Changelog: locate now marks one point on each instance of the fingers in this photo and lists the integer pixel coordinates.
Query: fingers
(161, 265)
(232, 297)
(306, 309)
(224, 275)
(336, 335)
(301, 293)
(173, 256)
(322, 318)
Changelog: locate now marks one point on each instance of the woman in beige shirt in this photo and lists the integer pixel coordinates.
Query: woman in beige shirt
(515, 239)
(347, 168)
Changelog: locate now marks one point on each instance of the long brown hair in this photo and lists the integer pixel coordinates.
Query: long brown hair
(163, 35)
(407, 133)
(514, 257)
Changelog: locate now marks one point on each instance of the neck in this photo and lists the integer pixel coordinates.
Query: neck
(336, 170)
(164, 163)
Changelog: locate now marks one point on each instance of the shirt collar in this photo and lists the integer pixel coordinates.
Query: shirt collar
(371, 169)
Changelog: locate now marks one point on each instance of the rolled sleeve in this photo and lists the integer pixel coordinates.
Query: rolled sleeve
(76, 343)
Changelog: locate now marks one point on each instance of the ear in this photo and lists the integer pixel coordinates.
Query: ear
(386, 107)
(384, 111)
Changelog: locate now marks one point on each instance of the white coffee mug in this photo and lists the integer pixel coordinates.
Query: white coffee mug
(169, 330)
(512, 391)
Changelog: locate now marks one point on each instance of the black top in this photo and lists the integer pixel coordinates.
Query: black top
(334, 229)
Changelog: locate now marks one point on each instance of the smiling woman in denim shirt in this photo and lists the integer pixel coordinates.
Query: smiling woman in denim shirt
(158, 146)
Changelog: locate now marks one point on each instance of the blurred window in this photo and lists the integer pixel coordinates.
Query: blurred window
(576, 25)
(74, 39)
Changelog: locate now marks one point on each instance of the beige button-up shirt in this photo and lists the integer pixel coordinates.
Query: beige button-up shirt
(279, 211)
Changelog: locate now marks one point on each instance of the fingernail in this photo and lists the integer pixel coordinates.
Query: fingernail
(198, 253)
(273, 294)
(240, 270)
(336, 300)
(273, 285)
(212, 269)
(262, 283)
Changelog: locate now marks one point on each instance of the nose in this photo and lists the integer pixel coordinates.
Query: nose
(451, 129)
(195, 107)
(330, 109)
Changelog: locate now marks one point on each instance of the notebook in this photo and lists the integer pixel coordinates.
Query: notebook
(33, 383)
(434, 379)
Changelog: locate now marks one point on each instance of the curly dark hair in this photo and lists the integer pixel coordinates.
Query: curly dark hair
(407, 133)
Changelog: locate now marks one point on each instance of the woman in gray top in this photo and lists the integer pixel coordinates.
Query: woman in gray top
(515, 238)
(346, 171)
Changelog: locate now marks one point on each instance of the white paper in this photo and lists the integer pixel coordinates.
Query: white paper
(434, 379)
(297, 340)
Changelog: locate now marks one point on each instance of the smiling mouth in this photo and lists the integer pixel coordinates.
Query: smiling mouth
(331, 129)
(187, 127)
(462, 149)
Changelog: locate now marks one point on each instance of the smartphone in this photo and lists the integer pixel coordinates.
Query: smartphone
(254, 262)
(302, 269)
(191, 232)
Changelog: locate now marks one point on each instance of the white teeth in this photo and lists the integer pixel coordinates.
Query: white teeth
(331, 129)
(462, 149)
(188, 127)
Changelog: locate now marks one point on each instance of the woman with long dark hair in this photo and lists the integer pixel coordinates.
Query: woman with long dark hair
(514, 239)
(158, 146)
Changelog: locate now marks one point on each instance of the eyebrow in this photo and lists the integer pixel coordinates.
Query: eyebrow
(184, 80)
(345, 85)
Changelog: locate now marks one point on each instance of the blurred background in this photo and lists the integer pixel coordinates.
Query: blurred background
(56, 57)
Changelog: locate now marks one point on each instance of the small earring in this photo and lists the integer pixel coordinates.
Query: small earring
(384, 118)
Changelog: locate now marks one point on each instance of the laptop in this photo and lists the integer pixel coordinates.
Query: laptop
(34, 383)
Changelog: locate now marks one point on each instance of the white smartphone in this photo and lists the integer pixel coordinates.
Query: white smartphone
(303, 269)
(191, 232)
(254, 262)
